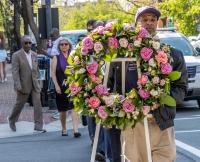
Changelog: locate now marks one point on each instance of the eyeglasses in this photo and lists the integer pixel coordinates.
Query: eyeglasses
(64, 44)
(27, 43)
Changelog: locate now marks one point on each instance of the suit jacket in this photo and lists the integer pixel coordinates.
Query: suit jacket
(25, 78)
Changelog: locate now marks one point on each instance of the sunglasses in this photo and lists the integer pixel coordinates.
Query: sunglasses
(27, 43)
(64, 44)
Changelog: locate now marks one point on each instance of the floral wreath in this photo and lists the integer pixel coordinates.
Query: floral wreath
(116, 39)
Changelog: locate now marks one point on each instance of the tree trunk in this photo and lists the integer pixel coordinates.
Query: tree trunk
(24, 16)
(31, 22)
(16, 32)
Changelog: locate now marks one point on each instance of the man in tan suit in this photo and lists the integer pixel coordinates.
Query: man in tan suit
(25, 75)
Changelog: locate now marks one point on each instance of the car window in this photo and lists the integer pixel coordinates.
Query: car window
(179, 43)
(72, 36)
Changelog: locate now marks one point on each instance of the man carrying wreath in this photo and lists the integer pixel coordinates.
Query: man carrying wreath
(161, 117)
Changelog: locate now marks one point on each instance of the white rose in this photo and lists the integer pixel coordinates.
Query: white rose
(76, 60)
(109, 100)
(154, 92)
(123, 42)
(137, 43)
(98, 47)
(80, 71)
(156, 45)
(152, 62)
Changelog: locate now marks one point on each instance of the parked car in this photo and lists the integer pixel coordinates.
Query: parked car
(74, 35)
(192, 59)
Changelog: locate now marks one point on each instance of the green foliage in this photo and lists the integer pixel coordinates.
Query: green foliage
(77, 17)
(168, 100)
(174, 75)
(186, 14)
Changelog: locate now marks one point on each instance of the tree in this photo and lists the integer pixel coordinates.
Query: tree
(77, 17)
(186, 14)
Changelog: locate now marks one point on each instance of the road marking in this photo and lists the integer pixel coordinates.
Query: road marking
(196, 115)
(188, 148)
(187, 118)
(187, 131)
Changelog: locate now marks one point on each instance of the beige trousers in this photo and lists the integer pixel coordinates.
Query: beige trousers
(20, 101)
(162, 143)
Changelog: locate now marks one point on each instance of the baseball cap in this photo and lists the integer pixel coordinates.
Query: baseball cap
(146, 9)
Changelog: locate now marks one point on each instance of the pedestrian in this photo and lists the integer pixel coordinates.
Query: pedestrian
(161, 119)
(25, 75)
(3, 56)
(59, 78)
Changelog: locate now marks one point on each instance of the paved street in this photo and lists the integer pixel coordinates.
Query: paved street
(27, 146)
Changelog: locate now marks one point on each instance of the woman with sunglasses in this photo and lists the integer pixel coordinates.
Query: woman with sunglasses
(59, 77)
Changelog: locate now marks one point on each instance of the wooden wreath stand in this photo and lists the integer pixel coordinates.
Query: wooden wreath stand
(96, 137)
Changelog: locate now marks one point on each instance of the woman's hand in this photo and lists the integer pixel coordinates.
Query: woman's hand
(58, 90)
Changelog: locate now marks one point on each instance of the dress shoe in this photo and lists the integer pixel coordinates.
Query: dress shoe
(100, 157)
(64, 133)
(40, 130)
(12, 125)
(77, 134)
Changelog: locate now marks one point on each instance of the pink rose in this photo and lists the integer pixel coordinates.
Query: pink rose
(92, 68)
(98, 80)
(113, 42)
(144, 94)
(109, 25)
(95, 79)
(128, 106)
(156, 80)
(84, 51)
(102, 113)
(162, 82)
(94, 102)
(99, 29)
(145, 109)
(146, 53)
(75, 89)
(162, 57)
(130, 46)
(98, 47)
(143, 80)
(166, 68)
(123, 42)
(143, 33)
(87, 43)
(101, 89)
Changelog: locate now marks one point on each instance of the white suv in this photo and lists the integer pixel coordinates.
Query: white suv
(192, 59)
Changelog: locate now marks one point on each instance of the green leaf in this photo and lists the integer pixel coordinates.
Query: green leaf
(168, 100)
(68, 70)
(77, 109)
(121, 114)
(108, 58)
(114, 56)
(174, 75)
(69, 60)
